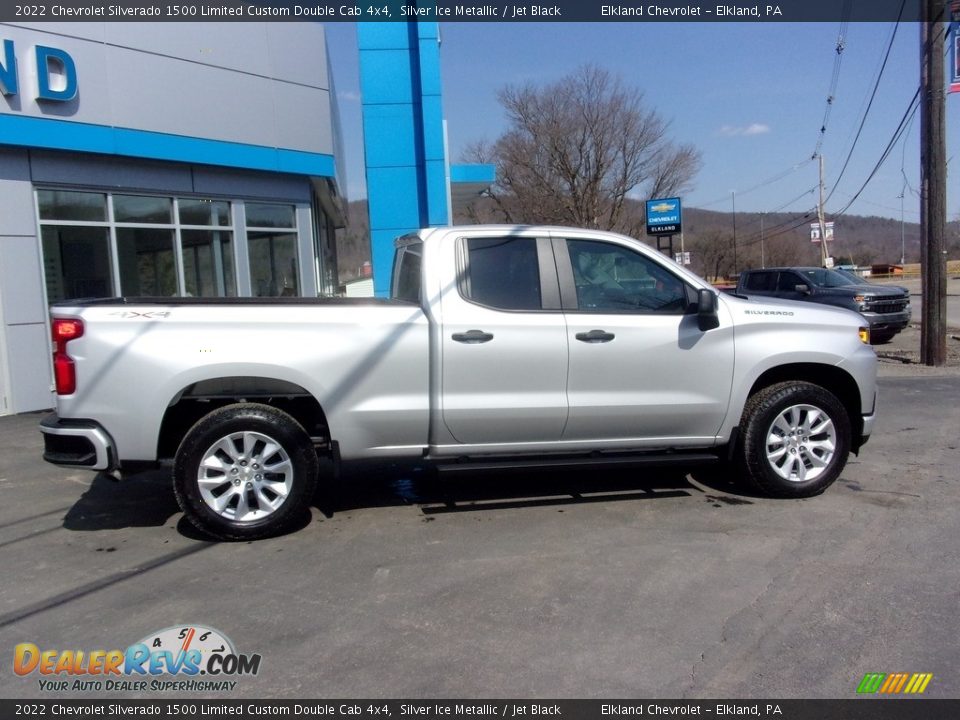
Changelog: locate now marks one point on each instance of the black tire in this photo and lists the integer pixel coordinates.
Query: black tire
(881, 338)
(263, 490)
(806, 467)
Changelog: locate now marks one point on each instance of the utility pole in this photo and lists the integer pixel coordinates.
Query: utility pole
(823, 224)
(933, 184)
(763, 262)
(903, 240)
(733, 200)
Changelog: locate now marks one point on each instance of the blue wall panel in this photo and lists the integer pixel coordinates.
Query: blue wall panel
(434, 147)
(393, 127)
(393, 197)
(84, 137)
(403, 134)
(386, 76)
(436, 189)
(378, 36)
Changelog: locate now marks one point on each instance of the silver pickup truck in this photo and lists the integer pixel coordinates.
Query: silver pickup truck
(501, 346)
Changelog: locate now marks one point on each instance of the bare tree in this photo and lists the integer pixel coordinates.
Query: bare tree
(577, 151)
(712, 255)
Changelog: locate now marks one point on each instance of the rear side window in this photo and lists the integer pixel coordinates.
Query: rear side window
(502, 273)
(406, 273)
(762, 281)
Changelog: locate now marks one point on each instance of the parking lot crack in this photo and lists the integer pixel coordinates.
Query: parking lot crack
(41, 606)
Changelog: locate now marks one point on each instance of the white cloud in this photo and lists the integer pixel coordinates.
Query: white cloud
(751, 129)
(756, 129)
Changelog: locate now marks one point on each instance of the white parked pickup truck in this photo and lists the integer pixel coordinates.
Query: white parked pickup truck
(501, 346)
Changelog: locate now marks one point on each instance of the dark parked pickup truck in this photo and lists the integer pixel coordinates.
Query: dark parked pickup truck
(886, 308)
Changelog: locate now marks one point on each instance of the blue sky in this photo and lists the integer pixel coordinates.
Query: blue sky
(750, 96)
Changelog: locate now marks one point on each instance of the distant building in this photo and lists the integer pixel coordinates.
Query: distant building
(886, 269)
(200, 160)
(192, 159)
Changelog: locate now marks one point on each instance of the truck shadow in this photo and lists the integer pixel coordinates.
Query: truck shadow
(147, 500)
(144, 500)
(487, 490)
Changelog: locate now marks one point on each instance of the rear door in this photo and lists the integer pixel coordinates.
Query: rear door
(503, 342)
(640, 368)
(760, 282)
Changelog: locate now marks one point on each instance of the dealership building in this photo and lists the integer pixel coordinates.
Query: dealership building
(196, 159)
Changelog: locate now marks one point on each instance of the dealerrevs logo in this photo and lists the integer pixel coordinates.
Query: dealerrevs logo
(183, 652)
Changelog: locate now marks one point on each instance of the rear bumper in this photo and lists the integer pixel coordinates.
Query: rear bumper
(77, 444)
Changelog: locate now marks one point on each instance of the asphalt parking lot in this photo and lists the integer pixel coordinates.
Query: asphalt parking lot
(542, 585)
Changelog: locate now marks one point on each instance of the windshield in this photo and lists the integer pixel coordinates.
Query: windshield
(826, 278)
(852, 275)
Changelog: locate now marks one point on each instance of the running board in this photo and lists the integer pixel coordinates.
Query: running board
(469, 464)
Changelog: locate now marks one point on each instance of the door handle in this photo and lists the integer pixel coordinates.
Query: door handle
(595, 336)
(473, 337)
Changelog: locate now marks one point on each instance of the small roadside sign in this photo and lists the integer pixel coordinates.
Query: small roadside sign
(815, 231)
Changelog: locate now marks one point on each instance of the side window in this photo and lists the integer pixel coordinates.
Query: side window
(788, 282)
(406, 274)
(762, 281)
(613, 278)
(502, 273)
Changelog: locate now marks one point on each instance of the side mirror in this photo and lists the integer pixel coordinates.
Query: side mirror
(803, 289)
(707, 318)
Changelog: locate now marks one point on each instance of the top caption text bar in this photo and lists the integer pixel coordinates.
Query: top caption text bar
(458, 11)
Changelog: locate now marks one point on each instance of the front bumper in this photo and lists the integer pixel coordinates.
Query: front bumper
(77, 444)
(881, 322)
(868, 421)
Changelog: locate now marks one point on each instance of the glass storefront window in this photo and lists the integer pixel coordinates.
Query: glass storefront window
(76, 262)
(69, 205)
(264, 215)
(274, 270)
(100, 245)
(204, 212)
(208, 263)
(142, 209)
(148, 267)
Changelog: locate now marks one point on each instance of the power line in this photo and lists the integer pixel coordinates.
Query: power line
(897, 134)
(763, 183)
(873, 95)
(791, 202)
(780, 228)
(835, 75)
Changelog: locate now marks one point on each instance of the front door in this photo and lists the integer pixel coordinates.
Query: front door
(640, 368)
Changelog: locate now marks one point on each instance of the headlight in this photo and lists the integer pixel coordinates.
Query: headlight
(865, 335)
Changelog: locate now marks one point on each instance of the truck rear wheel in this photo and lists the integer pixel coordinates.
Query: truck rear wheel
(795, 437)
(245, 471)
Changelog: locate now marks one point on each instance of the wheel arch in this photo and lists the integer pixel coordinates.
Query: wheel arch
(203, 397)
(834, 379)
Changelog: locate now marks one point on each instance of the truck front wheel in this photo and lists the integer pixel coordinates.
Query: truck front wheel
(245, 471)
(795, 437)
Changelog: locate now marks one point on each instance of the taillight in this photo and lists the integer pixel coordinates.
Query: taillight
(64, 371)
